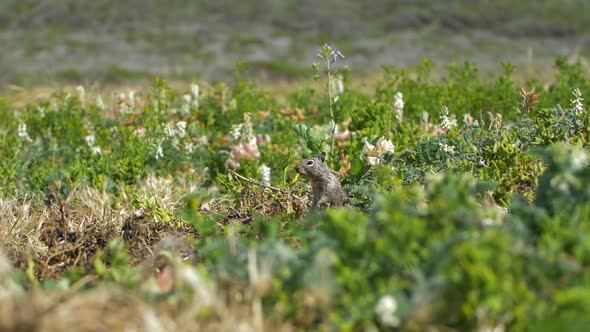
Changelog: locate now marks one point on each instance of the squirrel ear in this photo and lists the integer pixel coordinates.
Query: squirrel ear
(322, 156)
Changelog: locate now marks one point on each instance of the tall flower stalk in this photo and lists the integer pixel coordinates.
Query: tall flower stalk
(329, 55)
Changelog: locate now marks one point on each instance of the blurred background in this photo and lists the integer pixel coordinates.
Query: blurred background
(46, 42)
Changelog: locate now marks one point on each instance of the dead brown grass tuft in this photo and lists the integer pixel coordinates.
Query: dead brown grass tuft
(56, 233)
(262, 199)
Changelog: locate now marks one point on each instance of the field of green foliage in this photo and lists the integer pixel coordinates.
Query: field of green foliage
(180, 210)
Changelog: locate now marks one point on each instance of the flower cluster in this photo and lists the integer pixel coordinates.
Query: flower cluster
(469, 121)
(265, 174)
(446, 122)
(175, 134)
(385, 311)
(334, 85)
(373, 153)
(245, 143)
(81, 93)
(41, 110)
(100, 103)
(243, 130)
(191, 100)
(495, 121)
(333, 53)
(449, 149)
(398, 106)
(195, 94)
(159, 153)
(576, 103)
(125, 103)
(22, 133)
(242, 150)
(91, 142)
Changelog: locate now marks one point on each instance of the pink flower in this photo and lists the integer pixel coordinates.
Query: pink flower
(438, 131)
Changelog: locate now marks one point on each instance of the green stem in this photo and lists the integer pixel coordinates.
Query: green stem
(329, 90)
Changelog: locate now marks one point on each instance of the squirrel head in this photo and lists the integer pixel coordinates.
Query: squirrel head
(313, 167)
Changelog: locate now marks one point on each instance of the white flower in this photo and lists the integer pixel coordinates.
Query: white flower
(186, 106)
(181, 128)
(190, 147)
(447, 148)
(203, 140)
(368, 148)
(90, 140)
(121, 102)
(131, 97)
(159, 152)
(170, 131)
(22, 134)
(81, 92)
(236, 131)
(139, 132)
(445, 122)
(265, 174)
(577, 101)
(252, 143)
(398, 101)
(244, 131)
(195, 91)
(41, 110)
(372, 153)
(100, 103)
(384, 146)
(385, 310)
(248, 128)
(398, 106)
(372, 161)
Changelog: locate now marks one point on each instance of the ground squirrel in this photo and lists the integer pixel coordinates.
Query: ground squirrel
(326, 188)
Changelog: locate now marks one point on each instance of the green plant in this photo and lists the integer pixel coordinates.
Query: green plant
(329, 55)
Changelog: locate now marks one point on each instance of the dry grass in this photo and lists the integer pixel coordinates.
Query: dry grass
(56, 233)
(49, 234)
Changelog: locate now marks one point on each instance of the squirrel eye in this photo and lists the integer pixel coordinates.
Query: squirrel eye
(310, 162)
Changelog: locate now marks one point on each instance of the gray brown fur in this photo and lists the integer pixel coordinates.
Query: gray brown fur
(326, 188)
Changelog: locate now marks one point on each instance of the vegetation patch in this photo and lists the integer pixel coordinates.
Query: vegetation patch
(180, 208)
